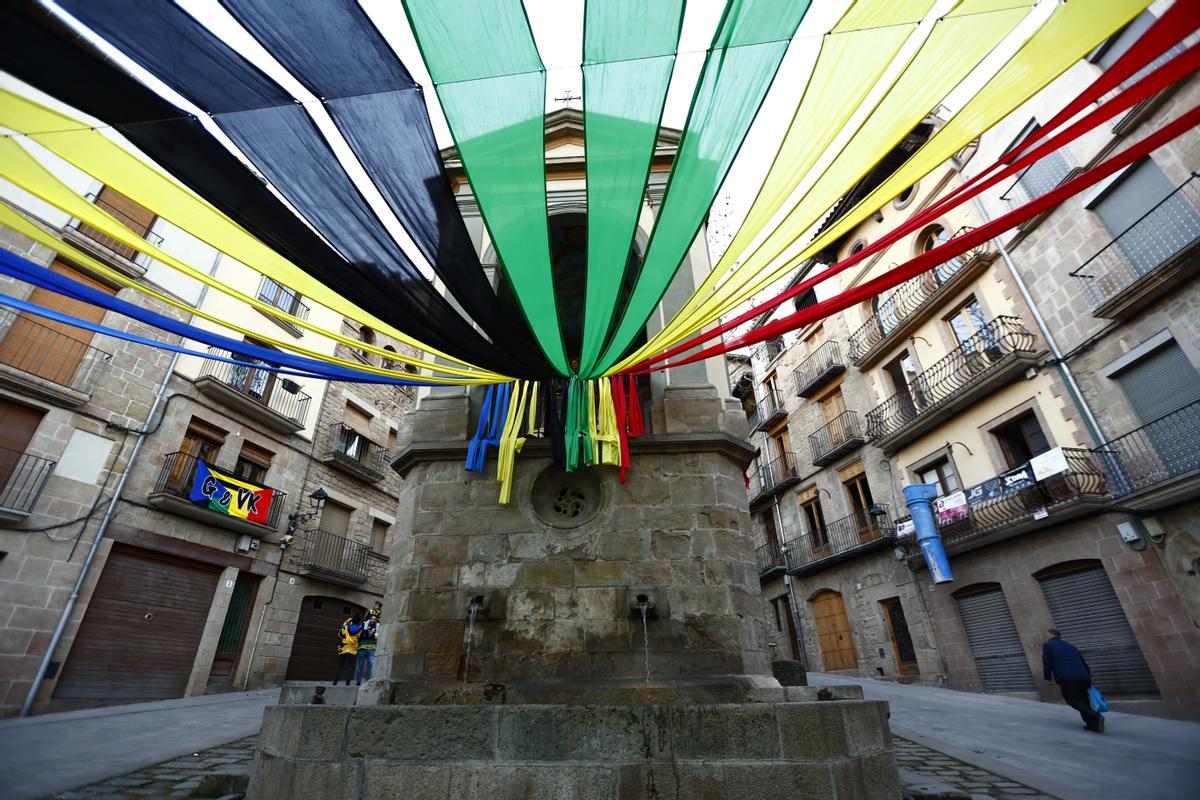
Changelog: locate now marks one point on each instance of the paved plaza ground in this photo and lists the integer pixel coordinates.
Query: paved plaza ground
(984, 745)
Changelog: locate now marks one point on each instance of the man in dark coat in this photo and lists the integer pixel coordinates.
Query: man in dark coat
(1062, 663)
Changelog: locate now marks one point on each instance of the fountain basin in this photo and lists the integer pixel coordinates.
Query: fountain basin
(595, 752)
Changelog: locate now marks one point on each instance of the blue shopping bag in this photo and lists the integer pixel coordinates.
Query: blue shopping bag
(1099, 704)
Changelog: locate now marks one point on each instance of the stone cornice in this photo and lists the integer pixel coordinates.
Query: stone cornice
(737, 450)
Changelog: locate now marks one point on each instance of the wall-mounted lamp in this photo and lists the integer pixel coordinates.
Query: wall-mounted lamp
(316, 501)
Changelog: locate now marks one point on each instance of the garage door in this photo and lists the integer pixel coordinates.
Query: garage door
(314, 647)
(139, 636)
(995, 645)
(1088, 614)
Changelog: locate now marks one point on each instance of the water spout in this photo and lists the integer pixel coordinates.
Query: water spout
(472, 612)
(645, 608)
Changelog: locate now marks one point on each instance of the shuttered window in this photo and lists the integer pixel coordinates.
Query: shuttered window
(999, 657)
(1147, 241)
(1088, 614)
(1044, 174)
(357, 419)
(335, 518)
(1160, 383)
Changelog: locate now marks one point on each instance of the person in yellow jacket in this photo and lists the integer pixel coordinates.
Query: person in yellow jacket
(348, 647)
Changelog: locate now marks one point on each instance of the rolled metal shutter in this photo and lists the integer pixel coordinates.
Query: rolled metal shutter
(995, 645)
(1160, 383)
(1088, 614)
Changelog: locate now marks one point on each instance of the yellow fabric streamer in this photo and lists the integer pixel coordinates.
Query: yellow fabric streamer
(533, 407)
(608, 440)
(92, 152)
(11, 219)
(1072, 31)
(22, 169)
(510, 445)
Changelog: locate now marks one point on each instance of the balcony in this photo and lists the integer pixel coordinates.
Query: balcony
(286, 300)
(47, 360)
(823, 365)
(768, 411)
(913, 302)
(120, 256)
(840, 540)
(260, 394)
(771, 560)
(1148, 258)
(840, 436)
(22, 478)
(355, 454)
(998, 354)
(337, 559)
(772, 478)
(1157, 465)
(1006, 507)
(173, 487)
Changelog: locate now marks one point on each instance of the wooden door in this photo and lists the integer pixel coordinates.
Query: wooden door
(18, 424)
(833, 631)
(833, 405)
(48, 349)
(902, 644)
(141, 630)
(315, 643)
(136, 217)
(233, 630)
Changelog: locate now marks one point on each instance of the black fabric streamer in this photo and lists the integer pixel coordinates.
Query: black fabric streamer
(334, 49)
(224, 83)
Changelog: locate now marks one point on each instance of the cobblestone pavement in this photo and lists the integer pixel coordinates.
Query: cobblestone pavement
(182, 777)
(962, 776)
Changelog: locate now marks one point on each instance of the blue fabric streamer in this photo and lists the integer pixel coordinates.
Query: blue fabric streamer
(273, 360)
(475, 451)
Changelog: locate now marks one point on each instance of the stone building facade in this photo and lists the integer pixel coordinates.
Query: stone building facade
(179, 600)
(965, 378)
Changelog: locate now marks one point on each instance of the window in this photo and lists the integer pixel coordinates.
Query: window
(390, 363)
(1021, 439)
(391, 440)
(902, 371)
(1159, 383)
(781, 445)
(769, 528)
(803, 301)
(1148, 219)
(885, 311)
(858, 246)
(254, 383)
(253, 462)
(366, 336)
(278, 295)
(773, 348)
(335, 518)
(936, 236)
(379, 531)
(201, 441)
(1045, 173)
(813, 516)
(858, 491)
(966, 322)
(940, 473)
(905, 196)
(131, 215)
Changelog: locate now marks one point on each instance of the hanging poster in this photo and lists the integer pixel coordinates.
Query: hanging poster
(230, 495)
(1051, 462)
(951, 507)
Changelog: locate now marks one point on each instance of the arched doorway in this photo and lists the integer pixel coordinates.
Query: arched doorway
(833, 630)
(314, 644)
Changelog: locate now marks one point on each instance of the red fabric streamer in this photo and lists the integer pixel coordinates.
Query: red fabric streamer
(1168, 31)
(617, 385)
(955, 246)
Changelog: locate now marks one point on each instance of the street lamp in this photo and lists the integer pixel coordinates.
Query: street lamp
(317, 501)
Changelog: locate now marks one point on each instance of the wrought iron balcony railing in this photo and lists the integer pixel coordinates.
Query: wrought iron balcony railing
(858, 531)
(1159, 238)
(49, 354)
(773, 477)
(179, 473)
(907, 299)
(285, 299)
(351, 449)
(1004, 504)
(1162, 450)
(821, 366)
(22, 478)
(264, 387)
(770, 558)
(767, 411)
(103, 239)
(949, 379)
(335, 557)
(840, 436)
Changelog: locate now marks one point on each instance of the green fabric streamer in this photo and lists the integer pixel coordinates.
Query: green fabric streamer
(628, 56)
(746, 52)
(492, 87)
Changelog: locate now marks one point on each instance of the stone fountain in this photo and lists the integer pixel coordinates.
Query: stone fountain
(615, 634)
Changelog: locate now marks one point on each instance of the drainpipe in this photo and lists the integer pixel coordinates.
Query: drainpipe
(109, 513)
(1064, 369)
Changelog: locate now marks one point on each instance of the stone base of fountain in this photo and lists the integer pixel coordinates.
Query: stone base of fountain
(788, 742)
